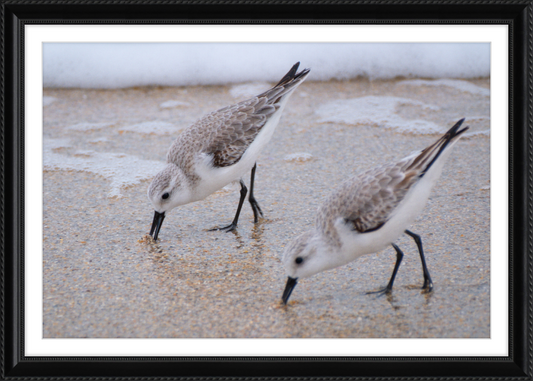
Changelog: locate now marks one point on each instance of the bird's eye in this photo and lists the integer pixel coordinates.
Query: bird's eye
(165, 195)
(299, 260)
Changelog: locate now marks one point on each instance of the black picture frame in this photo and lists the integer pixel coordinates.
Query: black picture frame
(518, 15)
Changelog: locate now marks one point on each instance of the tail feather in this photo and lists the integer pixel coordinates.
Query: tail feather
(291, 75)
(286, 85)
(429, 155)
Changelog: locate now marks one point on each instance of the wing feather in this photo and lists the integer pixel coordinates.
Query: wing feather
(227, 133)
(383, 189)
(367, 201)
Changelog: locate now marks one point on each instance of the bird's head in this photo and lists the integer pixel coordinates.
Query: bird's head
(168, 190)
(301, 259)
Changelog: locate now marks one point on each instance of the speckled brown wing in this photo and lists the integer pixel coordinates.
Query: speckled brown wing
(366, 201)
(379, 193)
(227, 133)
(238, 127)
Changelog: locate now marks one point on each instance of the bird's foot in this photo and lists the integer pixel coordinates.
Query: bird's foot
(256, 209)
(427, 287)
(229, 228)
(384, 291)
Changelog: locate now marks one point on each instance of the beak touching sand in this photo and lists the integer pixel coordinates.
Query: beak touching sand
(156, 224)
(291, 283)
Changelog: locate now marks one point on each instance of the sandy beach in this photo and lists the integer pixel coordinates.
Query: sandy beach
(102, 279)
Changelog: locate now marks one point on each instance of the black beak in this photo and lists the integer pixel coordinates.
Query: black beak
(156, 224)
(291, 283)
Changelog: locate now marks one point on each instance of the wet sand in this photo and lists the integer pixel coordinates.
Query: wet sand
(102, 280)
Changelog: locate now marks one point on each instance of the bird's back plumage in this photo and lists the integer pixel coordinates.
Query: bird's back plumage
(367, 201)
(227, 133)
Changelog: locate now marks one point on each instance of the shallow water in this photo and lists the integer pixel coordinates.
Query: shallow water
(103, 279)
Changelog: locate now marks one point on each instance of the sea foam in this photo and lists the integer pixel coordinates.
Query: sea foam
(120, 169)
(377, 111)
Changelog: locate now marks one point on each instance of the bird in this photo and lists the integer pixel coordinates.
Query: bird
(218, 149)
(368, 212)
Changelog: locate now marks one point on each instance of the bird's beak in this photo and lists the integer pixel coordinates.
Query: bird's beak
(156, 224)
(291, 283)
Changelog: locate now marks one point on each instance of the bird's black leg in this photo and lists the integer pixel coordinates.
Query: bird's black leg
(388, 288)
(233, 225)
(251, 198)
(428, 283)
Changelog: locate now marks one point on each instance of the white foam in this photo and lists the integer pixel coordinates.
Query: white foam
(471, 134)
(87, 126)
(120, 169)
(477, 118)
(116, 65)
(298, 157)
(84, 153)
(102, 139)
(48, 100)
(52, 144)
(174, 104)
(247, 90)
(460, 85)
(376, 111)
(153, 127)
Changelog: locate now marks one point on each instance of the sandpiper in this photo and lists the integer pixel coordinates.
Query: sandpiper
(219, 149)
(367, 213)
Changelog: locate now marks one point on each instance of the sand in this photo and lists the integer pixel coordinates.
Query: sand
(103, 280)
